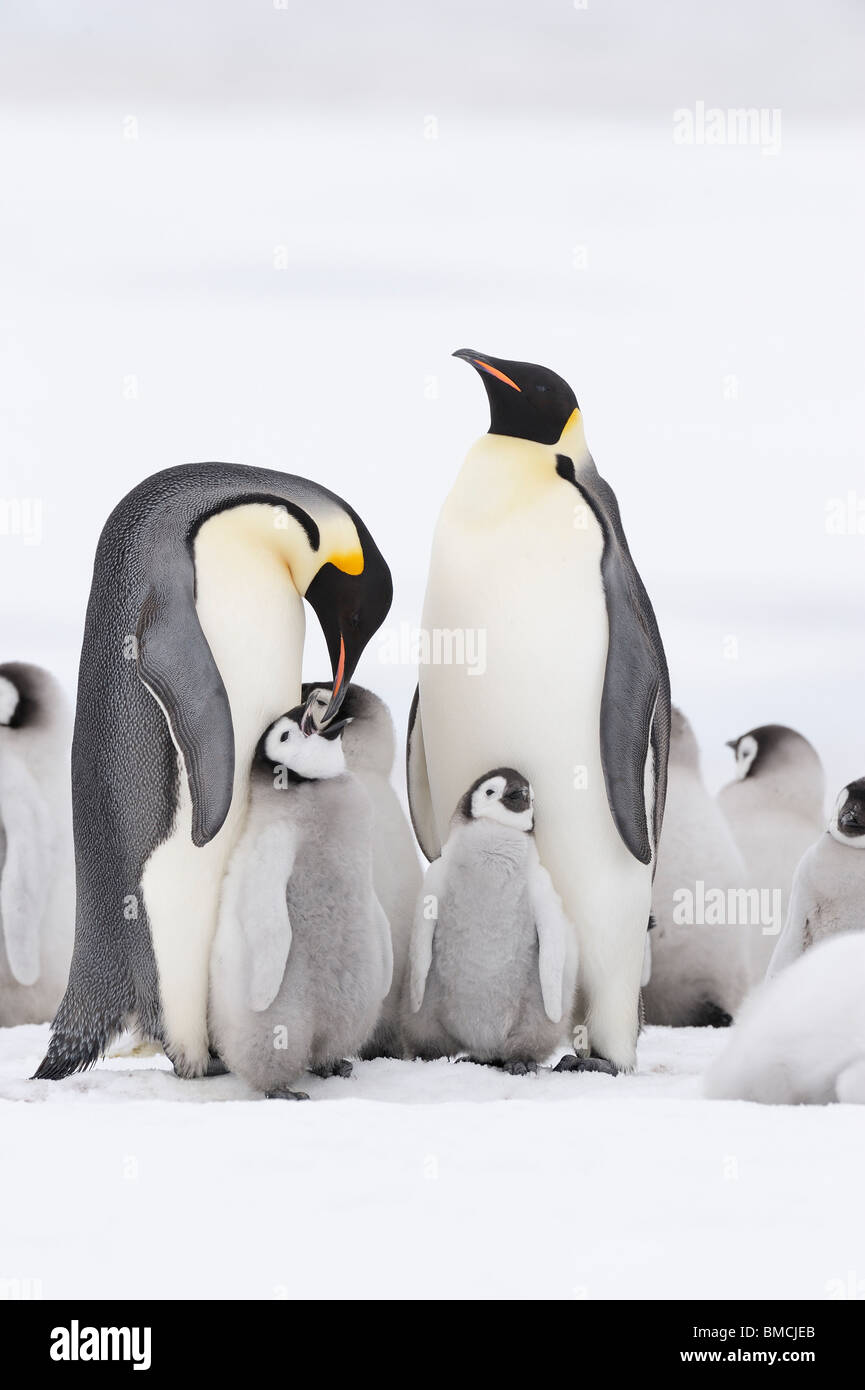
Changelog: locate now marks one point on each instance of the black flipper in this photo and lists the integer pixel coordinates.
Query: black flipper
(635, 706)
(177, 666)
(417, 780)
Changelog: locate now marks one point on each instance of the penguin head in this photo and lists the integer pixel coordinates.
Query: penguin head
(526, 401)
(504, 796)
(847, 825)
(294, 742)
(9, 701)
(30, 697)
(369, 740)
(774, 749)
(351, 597)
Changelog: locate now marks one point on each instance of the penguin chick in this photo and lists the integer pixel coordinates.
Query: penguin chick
(775, 810)
(699, 970)
(828, 893)
(368, 744)
(302, 957)
(801, 1039)
(493, 959)
(37, 877)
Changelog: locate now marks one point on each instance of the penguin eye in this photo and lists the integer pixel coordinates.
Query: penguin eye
(539, 386)
(283, 736)
(489, 791)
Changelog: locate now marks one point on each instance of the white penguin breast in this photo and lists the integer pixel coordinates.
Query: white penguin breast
(528, 586)
(253, 619)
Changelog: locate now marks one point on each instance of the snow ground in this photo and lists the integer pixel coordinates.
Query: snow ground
(424, 1180)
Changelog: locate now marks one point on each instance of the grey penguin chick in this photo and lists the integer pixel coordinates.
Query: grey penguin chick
(302, 955)
(800, 1040)
(37, 875)
(699, 969)
(493, 959)
(775, 811)
(828, 895)
(369, 746)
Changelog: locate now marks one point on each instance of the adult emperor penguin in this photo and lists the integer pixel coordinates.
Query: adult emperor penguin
(302, 957)
(530, 556)
(699, 960)
(774, 808)
(828, 894)
(493, 959)
(37, 880)
(192, 644)
(369, 745)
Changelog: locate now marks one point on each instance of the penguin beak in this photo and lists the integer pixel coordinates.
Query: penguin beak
(340, 685)
(486, 365)
(732, 743)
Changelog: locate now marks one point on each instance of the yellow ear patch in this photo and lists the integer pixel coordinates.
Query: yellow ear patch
(349, 561)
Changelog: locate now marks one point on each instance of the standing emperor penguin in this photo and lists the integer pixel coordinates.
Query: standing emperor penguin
(493, 959)
(529, 554)
(192, 644)
(302, 957)
(774, 808)
(828, 894)
(699, 968)
(37, 880)
(369, 747)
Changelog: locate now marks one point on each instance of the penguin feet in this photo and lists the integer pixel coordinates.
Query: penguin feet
(338, 1067)
(710, 1015)
(570, 1062)
(517, 1068)
(283, 1093)
(215, 1067)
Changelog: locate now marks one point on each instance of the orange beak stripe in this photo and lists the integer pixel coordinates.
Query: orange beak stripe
(340, 668)
(494, 371)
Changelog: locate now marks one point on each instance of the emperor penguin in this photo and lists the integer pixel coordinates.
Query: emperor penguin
(192, 644)
(302, 956)
(828, 894)
(493, 959)
(369, 746)
(699, 959)
(37, 881)
(530, 563)
(774, 808)
(800, 1040)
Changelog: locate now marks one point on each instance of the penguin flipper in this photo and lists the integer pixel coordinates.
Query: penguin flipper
(177, 666)
(791, 943)
(420, 951)
(635, 704)
(417, 778)
(386, 940)
(26, 877)
(556, 940)
(260, 901)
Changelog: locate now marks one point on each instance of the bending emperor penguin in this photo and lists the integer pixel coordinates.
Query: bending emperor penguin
(828, 894)
(369, 746)
(529, 558)
(37, 879)
(192, 645)
(493, 960)
(774, 808)
(302, 957)
(699, 961)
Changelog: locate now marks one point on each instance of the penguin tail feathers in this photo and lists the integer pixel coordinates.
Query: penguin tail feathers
(80, 1036)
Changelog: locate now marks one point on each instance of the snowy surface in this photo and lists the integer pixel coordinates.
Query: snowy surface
(424, 1180)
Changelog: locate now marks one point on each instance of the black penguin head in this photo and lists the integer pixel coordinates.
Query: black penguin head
(770, 749)
(504, 796)
(351, 607)
(24, 694)
(848, 819)
(526, 402)
(293, 744)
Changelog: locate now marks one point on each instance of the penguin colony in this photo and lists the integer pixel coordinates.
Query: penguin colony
(248, 891)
